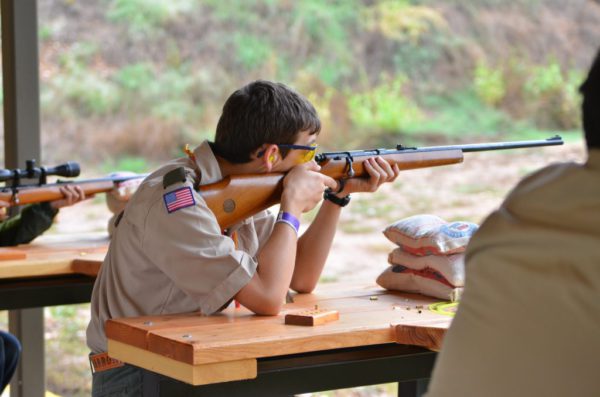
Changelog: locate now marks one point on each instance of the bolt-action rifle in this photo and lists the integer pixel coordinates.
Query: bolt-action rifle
(16, 193)
(240, 196)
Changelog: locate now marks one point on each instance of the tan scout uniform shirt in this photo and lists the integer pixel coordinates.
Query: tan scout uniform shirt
(160, 262)
(529, 321)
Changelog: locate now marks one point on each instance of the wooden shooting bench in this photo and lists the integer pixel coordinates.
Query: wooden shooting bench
(380, 337)
(52, 270)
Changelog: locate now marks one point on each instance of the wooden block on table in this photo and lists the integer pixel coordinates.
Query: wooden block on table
(312, 317)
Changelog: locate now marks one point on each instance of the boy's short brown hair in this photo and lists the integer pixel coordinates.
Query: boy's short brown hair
(262, 112)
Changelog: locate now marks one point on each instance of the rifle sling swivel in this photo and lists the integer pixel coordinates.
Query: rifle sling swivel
(14, 199)
(349, 169)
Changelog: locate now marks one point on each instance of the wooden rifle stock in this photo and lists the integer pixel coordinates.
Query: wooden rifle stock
(238, 197)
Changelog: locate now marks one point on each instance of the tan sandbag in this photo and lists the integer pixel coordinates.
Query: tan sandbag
(452, 267)
(401, 278)
(430, 235)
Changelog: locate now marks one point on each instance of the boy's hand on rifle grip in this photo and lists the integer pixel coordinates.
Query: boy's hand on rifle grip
(303, 188)
(380, 172)
(72, 194)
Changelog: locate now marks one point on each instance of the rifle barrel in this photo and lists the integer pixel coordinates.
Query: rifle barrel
(62, 182)
(481, 147)
(473, 147)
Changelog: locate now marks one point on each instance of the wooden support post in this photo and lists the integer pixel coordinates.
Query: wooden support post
(28, 326)
(20, 68)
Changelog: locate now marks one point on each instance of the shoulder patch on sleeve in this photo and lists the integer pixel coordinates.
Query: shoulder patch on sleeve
(178, 199)
(174, 176)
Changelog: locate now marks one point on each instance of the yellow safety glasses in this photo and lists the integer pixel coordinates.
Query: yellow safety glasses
(311, 151)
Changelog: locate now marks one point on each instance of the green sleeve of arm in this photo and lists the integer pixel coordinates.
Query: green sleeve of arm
(30, 223)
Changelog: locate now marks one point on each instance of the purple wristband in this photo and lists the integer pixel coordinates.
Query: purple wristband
(286, 217)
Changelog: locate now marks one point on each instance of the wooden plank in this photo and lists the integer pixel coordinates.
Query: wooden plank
(35, 268)
(429, 337)
(265, 340)
(196, 339)
(135, 330)
(193, 374)
(51, 266)
(57, 255)
(236, 334)
(88, 265)
(11, 254)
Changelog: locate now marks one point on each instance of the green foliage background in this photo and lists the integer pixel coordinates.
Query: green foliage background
(138, 79)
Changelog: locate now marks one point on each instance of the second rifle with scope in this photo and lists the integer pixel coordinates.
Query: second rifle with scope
(37, 190)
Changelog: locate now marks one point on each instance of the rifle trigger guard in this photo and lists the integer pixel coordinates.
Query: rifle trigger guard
(349, 169)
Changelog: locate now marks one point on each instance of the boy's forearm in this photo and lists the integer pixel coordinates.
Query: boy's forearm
(314, 246)
(276, 259)
(266, 291)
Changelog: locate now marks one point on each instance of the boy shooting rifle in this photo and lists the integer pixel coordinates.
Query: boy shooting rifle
(197, 235)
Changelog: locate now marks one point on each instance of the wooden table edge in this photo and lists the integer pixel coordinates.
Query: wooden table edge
(425, 336)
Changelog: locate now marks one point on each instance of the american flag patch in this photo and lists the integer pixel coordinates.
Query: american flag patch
(178, 199)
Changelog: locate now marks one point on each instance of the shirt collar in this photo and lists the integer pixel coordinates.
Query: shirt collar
(207, 164)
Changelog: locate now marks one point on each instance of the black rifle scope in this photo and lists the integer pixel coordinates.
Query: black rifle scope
(14, 176)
